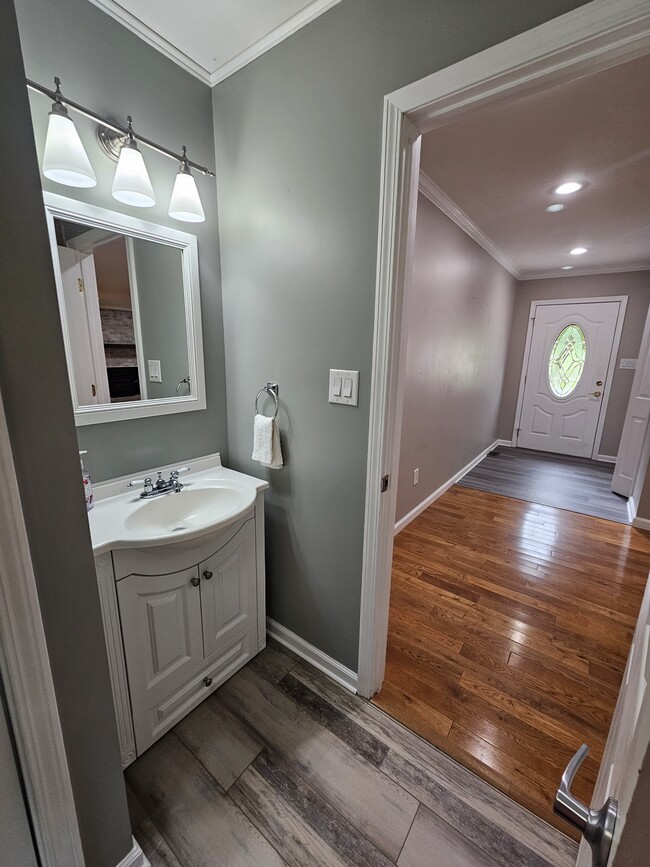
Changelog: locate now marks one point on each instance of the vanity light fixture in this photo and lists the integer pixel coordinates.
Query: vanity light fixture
(185, 203)
(578, 251)
(567, 188)
(65, 159)
(131, 184)
(66, 162)
(567, 267)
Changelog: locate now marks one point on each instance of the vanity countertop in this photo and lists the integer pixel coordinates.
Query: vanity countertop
(119, 514)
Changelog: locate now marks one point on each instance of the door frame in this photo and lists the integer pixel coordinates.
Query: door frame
(611, 365)
(26, 673)
(588, 39)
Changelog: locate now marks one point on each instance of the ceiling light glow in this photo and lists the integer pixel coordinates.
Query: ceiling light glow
(578, 251)
(567, 267)
(555, 207)
(569, 187)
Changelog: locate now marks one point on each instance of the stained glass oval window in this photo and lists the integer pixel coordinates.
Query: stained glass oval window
(567, 361)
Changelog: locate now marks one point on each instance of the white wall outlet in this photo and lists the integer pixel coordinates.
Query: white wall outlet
(628, 364)
(416, 475)
(344, 387)
(155, 374)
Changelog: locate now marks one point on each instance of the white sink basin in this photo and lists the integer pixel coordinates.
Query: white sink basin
(190, 510)
(212, 498)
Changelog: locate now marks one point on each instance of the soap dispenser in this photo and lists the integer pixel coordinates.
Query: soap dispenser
(88, 485)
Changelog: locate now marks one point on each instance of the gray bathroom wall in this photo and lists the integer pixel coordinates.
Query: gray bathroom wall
(298, 140)
(108, 68)
(159, 276)
(459, 316)
(636, 285)
(36, 398)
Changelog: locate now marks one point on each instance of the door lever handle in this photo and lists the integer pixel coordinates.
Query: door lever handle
(595, 393)
(597, 826)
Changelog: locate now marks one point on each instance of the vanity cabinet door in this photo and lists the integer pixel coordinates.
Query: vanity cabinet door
(161, 625)
(229, 590)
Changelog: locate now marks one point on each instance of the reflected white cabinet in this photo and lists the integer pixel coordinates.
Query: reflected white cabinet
(179, 620)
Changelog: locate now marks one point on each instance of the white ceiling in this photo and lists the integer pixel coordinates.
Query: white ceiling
(500, 165)
(214, 38)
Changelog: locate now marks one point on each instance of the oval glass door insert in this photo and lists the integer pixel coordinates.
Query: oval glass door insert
(567, 361)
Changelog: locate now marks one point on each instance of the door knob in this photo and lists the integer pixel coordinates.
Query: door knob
(207, 574)
(595, 393)
(207, 681)
(195, 580)
(599, 382)
(597, 826)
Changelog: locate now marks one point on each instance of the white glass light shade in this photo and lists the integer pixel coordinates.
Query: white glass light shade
(65, 160)
(185, 203)
(131, 184)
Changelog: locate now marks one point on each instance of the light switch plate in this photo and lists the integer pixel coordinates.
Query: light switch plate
(155, 374)
(628, 364)
(344, 387)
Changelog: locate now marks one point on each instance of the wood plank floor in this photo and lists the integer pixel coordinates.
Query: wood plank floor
(281, 766)
(575, 484)
(510, 625)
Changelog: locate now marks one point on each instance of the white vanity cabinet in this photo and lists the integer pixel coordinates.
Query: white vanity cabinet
(179, 620)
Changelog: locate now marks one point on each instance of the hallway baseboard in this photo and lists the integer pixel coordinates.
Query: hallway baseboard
(343, 676)
(414, 513)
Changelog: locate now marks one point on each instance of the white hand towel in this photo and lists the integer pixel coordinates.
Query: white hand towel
(266, 442)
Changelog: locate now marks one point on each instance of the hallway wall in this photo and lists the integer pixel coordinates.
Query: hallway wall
(459, 315)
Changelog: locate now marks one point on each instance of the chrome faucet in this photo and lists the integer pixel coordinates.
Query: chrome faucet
(160, 486)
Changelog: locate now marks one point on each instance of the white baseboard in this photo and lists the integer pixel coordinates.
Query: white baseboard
(135, 858)
(641, 523)
(508, 443)
(606, 459)
(342, 675)
(631, 510)
(413, 514)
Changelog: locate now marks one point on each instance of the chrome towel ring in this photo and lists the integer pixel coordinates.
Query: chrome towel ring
(272, 389)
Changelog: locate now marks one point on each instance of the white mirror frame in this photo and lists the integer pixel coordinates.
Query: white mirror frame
(61, 207)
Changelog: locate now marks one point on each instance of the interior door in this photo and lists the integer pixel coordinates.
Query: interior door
(630, 451)
(571, 350)
(84, 327)
(628, 738)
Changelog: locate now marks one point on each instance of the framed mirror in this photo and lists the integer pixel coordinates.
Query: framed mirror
(129, 301)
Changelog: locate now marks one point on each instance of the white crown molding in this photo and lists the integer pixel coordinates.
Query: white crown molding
(214, 76)
(441, 200)
(586, 271)
(110, 7)
(291, 25)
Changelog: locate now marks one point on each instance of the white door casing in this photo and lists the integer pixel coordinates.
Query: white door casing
(568, 425)
(628, 461)
(629, 734)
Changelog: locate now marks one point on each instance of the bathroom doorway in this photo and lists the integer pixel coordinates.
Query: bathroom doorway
(401, 164)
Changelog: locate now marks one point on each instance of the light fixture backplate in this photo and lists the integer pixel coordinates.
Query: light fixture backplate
(110, 141)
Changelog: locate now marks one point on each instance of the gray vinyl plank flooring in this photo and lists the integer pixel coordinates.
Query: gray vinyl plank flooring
(574, 484)
(281, 766)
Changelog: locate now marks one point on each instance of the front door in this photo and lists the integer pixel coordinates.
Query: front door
(571, 351)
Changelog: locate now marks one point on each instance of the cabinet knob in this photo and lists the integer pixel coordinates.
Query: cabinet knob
(207, 681)
(195, 580)
(207, 574)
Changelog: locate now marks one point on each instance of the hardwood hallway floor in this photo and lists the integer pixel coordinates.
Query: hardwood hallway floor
(510, 625)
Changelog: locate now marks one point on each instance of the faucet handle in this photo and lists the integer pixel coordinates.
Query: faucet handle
(176, 473)
(134, 483)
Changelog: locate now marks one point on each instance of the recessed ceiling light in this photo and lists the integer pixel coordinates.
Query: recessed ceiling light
(558, 206)
(567, 267)
(578, 251)
(568, 188)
